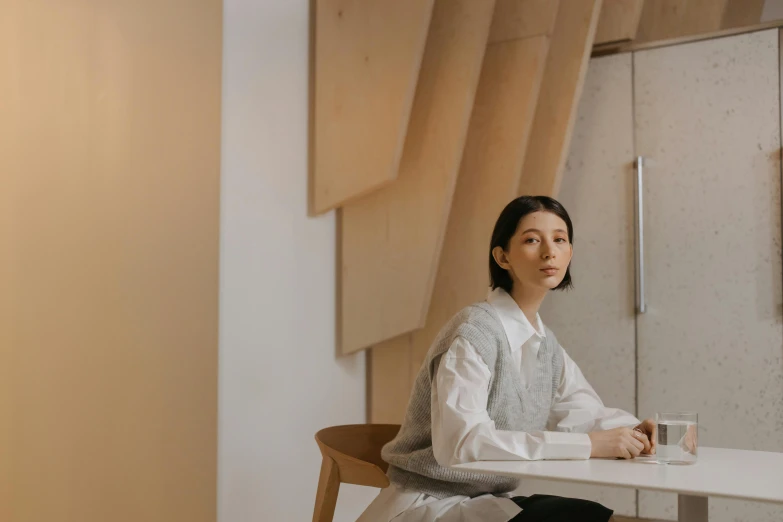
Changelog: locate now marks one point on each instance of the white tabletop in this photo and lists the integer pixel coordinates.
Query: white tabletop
(748, 475)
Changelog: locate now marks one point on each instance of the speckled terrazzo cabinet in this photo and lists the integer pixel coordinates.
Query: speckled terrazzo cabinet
(706, 118)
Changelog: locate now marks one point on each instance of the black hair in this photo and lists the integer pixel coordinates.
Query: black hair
(506, 227)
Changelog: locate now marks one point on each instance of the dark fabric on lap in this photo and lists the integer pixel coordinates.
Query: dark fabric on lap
(548, 508)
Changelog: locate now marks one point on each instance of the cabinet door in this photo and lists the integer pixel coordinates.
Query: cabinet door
(109, 248)
(707, 119)
(595, 321)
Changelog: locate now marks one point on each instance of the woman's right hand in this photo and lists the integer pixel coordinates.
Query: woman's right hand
(621, 443)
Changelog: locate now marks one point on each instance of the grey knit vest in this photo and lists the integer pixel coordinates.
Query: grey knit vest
(412, 464)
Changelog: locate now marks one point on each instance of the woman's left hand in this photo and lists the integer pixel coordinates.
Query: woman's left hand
(647, 429)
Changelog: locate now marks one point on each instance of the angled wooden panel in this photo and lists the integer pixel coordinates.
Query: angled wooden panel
(367, 58)
(619, 21)
(391, 239)
(662, 19)
(741, 13)
(522, 19)
(566, 65)
(488, 180)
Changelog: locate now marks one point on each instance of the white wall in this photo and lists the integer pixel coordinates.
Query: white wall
(280, 380)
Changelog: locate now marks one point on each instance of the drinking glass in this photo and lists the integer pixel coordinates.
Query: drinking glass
(678, 437)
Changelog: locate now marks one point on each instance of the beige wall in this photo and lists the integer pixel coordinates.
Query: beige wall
(109, 165)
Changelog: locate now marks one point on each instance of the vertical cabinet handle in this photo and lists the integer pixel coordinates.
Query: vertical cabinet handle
(640, 302)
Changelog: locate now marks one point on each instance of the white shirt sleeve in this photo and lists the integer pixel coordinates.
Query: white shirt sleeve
(462, 430)
(578, 408)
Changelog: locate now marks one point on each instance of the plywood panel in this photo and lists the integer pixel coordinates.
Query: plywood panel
(6, 304)
(367, 59)
(708, 119)
(488, 180)
(741, 13)
(645, 46)
(523, 19)
(595, 321)
(7, 30)
(662, 19)
(391, 239)
(773, 10)
(110, 127)
(391, 380)
(561, 87)
(619, 20)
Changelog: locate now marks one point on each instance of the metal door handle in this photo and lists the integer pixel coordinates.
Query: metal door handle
(640, 301)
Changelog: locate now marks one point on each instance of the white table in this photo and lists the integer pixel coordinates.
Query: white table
(740, 474)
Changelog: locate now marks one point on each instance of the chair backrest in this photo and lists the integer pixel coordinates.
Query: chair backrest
(356, 450)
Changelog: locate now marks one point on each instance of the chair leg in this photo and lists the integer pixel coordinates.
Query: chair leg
(328, 487)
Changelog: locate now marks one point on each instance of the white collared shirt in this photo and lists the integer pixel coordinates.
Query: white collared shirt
(462, 430)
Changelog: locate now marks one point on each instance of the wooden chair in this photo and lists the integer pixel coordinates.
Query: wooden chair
(351, 454)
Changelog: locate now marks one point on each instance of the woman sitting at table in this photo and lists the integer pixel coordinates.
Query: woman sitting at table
(493, 382)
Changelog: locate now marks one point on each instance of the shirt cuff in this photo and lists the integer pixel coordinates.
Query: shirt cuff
(621, 419)
(567, 446)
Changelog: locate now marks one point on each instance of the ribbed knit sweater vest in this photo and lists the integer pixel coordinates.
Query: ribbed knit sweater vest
(513, 407)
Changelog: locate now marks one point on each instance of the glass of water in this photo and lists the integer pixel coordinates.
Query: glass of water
(678, 437)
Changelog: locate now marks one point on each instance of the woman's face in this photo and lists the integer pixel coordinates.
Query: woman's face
(538, 253)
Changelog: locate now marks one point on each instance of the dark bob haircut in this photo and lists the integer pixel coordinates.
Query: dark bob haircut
(506, 227)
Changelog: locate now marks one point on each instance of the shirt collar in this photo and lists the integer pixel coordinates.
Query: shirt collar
(515, 323)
